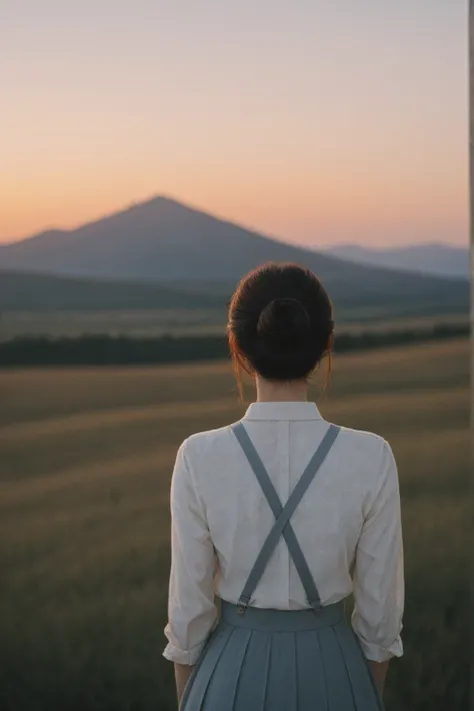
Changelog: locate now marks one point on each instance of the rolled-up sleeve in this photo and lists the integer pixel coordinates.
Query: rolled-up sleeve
(378, 573)
(191, 607)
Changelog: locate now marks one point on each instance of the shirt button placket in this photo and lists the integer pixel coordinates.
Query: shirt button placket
(285, 463)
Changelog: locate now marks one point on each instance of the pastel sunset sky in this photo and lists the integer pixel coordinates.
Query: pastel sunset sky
(317, 121)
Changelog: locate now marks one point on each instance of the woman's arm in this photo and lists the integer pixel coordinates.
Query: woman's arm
(192, 611)
(378, 573)
(379, 672)
(182, 672)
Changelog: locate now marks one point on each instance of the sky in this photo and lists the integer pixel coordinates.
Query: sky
(316, 121)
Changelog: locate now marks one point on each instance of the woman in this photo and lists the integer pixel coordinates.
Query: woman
(275, 521)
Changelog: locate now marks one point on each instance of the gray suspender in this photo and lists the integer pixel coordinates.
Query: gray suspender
(282, 515)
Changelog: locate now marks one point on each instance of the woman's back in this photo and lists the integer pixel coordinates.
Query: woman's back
(280, 517)
(219, 492)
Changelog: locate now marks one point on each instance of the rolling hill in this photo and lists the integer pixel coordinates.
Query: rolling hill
(23, 291)
(162, 243)
(435, 259)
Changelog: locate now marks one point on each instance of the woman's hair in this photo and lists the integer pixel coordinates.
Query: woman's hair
(280, 322)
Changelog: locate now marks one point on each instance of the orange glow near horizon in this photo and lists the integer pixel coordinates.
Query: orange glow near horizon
(295, 131)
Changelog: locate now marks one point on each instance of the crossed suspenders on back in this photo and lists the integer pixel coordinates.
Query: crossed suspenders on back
(282, 526)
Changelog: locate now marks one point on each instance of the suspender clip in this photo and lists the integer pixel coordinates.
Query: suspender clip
(242, 604)
(316, 607)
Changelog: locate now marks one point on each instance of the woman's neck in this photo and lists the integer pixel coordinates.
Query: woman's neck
(274, 391)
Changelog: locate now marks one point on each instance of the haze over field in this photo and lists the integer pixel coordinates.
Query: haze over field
(437, 259)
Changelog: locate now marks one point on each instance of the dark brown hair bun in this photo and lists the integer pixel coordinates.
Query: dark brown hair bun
(280, 322)
(284, 322)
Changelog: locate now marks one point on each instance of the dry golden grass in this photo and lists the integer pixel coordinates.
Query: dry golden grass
(86, 461)
(138, 324)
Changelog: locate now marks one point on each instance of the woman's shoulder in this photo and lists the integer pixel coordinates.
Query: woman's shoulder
(362, 438)
(364, 446)
(206, 441)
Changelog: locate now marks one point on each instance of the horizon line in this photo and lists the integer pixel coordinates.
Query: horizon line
(261, 232)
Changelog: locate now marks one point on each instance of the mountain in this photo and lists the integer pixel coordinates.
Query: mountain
(167, 242)
(435, 259)
(162, 240)
(23, 291)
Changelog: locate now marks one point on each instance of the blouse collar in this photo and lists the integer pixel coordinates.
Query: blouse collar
(283, 411)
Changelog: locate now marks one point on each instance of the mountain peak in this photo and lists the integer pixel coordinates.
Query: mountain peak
(161, 239)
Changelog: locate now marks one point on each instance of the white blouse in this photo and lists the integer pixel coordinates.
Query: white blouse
(348, 525)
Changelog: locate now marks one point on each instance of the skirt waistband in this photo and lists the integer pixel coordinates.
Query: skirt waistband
(265, 620)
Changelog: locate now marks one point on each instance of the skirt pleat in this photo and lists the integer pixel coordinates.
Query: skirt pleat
(282, 679)
(358, 670)
(196, 687)
(252, 689)
(222, 688)
(338, 686)
(311, 679)
(271, 660)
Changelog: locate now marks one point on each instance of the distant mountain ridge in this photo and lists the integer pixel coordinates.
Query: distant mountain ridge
(433, 258)
(158, 240)
(162, 242)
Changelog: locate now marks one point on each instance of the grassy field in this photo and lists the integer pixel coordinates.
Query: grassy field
(130, 323)
(86, 457)
(152, 323)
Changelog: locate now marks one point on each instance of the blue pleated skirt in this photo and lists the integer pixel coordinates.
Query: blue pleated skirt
(275, 660)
